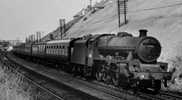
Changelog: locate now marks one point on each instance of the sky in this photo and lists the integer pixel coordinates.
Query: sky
(20, 18)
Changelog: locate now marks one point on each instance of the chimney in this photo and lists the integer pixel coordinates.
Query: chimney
(143, 32)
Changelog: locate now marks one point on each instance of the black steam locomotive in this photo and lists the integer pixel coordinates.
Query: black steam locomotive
(122, 59)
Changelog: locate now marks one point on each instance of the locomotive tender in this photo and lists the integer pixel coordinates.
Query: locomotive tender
(122, 59)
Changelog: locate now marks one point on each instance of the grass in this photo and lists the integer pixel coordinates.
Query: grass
(10, 86)
(15, 87)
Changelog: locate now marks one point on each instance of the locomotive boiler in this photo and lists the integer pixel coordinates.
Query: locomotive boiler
(146, 49)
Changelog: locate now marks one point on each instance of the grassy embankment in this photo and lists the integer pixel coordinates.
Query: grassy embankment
(15, 87)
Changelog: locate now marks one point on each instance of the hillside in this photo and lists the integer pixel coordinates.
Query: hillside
(162, 18)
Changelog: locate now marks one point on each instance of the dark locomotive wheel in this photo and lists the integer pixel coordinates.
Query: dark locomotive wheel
(74, 70)
(99, 75)
(77, 70)
(114, 75)
(115, 79)
(106, 77)
(80, 70)
(157, 86)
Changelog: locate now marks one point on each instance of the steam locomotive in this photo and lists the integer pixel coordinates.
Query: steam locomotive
(122, 60)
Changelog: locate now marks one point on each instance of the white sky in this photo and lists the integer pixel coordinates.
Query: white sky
(19, 18)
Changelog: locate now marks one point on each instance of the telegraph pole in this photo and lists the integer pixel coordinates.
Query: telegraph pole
(125, 12)
(90, 3)
(119, 20)
(38, 34)
(62, 23)
(122, 9)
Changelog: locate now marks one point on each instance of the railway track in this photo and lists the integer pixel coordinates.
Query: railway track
(171, 95)
(121, 94)
(163, 95)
